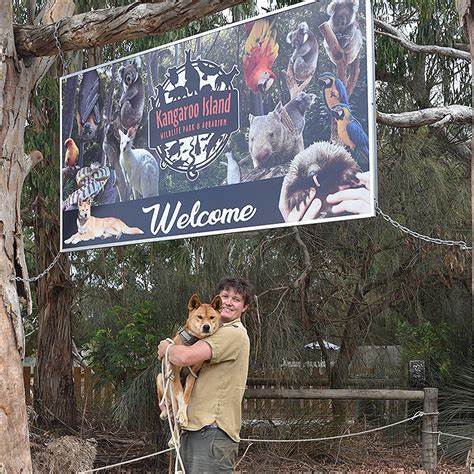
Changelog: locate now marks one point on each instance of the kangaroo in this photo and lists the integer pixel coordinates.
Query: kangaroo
(111, 149)
(139, 167)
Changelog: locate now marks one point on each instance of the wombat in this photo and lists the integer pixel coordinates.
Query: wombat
(277, 137)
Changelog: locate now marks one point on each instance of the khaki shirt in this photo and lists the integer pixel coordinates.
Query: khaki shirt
(219, 390)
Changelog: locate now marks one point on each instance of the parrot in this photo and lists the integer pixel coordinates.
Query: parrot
(72, 153)
(350, 131)
(260, 52)
(334, 91)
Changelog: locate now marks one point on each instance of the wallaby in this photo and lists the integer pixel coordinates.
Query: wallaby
(139, 167)
(111, 149)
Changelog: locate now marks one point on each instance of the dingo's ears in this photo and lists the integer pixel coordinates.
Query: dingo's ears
(216, 303)
(194, 302)
(86, 201)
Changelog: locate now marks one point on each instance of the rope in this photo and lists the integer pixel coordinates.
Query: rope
(418, 414)
(349, 435)
(126, 462)
(439, 433)
(167, 395)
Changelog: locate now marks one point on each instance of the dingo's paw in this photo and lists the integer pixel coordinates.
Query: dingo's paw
(182, 418)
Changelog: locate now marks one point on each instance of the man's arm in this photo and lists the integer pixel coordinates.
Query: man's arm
(185, 356)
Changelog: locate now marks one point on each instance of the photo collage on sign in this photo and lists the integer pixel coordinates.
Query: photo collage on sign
(283, 97)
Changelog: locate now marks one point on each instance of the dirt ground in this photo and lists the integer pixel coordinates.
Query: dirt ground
(55, 453)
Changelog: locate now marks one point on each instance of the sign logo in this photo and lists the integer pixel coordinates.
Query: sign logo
(193, 115)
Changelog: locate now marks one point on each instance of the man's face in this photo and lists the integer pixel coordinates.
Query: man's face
(233, 305)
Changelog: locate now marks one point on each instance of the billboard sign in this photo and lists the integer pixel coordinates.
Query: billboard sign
(264, 123)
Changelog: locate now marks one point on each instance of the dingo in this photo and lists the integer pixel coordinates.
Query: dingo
(203, 320)
(90, 227)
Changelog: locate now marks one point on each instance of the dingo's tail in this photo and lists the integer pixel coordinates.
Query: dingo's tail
(132, 230)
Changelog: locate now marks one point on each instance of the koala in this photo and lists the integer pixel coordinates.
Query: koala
(133, 97)
(305, 55)
(273, 138)
(343, 22)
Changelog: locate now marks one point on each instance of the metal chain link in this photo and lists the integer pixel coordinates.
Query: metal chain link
(452, 243)
(57, 25)
(42, 274)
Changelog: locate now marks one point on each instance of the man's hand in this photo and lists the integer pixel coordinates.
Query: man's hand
(162, 346)
(307, 210)
(353, 200)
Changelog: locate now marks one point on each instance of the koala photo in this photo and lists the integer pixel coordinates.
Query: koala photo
(306, 52)
(133, 97)
(343, 22)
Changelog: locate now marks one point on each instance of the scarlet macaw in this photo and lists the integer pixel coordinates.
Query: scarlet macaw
(72, 153)
(350, 131)
(260, 52)
(334, 91)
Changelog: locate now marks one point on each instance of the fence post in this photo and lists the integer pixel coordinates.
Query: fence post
(429, 436)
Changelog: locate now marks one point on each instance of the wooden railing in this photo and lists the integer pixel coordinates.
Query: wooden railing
(90, 392)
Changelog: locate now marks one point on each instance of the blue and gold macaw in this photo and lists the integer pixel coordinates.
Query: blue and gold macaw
(350, 131)
(334, 91)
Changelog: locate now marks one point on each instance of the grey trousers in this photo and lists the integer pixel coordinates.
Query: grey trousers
(207, 451)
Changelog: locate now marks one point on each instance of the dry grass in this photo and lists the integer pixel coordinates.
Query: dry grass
(66, 454)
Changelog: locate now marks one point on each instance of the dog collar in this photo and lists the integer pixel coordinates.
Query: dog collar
(187, 338)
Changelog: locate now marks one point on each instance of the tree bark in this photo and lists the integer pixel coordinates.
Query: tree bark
(17, 81)
(350, 339)
(431, 116)
(54, 386)
(113, 25)
(466, 18)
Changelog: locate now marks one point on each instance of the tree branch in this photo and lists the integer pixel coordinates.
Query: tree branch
(397, 35)
(101, 27)
(430, 116)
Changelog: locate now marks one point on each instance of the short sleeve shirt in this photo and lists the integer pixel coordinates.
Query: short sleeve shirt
(219, 390)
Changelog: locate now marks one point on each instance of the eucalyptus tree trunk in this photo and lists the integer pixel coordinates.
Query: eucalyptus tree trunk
(465, 9)
(18, 79)
(54, 400)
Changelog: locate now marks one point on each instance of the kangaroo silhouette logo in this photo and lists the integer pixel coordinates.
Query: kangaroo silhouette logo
(193, 114)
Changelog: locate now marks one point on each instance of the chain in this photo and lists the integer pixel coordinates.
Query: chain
(452, 243)
(58, 45)
(41, 275)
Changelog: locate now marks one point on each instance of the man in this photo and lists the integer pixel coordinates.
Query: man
(210, 442)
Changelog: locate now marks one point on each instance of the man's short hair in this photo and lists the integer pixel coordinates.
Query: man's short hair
(239, 285)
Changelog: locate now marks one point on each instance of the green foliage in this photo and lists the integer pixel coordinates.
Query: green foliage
(115, 355)
(457, 411)
(429, 342)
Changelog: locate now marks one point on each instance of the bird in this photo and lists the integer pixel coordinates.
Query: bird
(260, 52)
(334, 91)
(72, 153)
(350, 131)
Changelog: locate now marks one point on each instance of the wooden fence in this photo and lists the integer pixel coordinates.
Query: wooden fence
(269, 396)
(93, 394)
